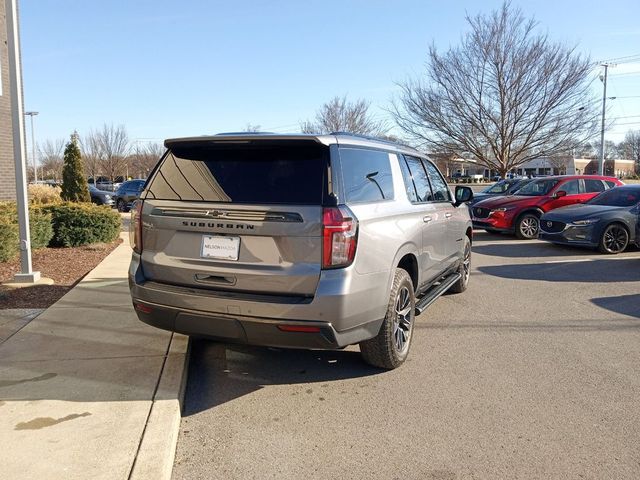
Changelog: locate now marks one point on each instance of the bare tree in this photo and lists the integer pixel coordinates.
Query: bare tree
(250, 127)
(340, 115)
(631, 147)
(143, 158)
(113, 142)
(91, 154)
(51, 158)
(506, 95)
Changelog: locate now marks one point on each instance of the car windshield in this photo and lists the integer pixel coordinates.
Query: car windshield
(617, 197)
(537, 188)
(500, 187)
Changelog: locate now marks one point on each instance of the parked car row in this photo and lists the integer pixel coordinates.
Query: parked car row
(122, 198)
(586, 210)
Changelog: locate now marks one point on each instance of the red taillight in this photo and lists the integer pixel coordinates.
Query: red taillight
(339, 237)
(141, 307)
(135, 227)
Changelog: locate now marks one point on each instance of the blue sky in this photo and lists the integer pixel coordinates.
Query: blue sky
(168, 68)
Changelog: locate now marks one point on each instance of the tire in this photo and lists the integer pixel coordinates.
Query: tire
(390, 348)
(528, 226)
(614, 239)
(464, 270)
(121, 206)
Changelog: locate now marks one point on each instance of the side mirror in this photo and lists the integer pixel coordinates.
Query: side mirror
(463, 195)
(560, 194)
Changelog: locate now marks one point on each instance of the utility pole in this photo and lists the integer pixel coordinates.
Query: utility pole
(603, 78)
(33, 147)
(27, 275)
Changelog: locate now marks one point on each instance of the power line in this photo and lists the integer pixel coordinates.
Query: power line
(626, 59)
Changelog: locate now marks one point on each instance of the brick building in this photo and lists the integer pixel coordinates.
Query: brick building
(7, 169)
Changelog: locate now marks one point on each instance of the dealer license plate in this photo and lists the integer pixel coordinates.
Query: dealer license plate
(224, 248)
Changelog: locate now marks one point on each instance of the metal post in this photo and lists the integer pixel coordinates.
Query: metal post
(604, 105)
(27, 274)
(33, 147)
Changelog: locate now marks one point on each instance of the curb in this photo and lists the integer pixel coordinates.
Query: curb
(157, 448)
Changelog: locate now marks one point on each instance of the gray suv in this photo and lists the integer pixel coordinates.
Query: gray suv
(302, 241)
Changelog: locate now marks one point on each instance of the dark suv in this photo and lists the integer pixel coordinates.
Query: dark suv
(127, 193)
(303, 241)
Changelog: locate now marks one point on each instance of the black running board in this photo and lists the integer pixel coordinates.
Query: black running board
(432, 294)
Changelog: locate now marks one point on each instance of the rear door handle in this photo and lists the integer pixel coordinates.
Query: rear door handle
(447, 215)
(426, 219)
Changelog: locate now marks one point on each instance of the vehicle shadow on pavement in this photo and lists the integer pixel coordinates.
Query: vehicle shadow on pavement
(594, 271)
(624, 304)
(526, 249)
(219, 373)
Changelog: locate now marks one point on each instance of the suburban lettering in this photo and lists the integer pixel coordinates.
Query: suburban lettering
(233, 226)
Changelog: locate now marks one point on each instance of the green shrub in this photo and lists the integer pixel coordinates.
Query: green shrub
(76, 224)
(40, 229)
(8, 239)
(41, 194)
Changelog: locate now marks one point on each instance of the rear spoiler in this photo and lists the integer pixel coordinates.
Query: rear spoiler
(244, 138)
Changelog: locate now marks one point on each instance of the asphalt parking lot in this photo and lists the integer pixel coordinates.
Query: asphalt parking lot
(531, 373)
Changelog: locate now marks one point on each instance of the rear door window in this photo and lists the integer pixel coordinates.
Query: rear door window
(593, 186)
(438, 185)
(366, 175)
(262, 173)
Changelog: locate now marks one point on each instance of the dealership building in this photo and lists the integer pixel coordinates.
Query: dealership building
(7, 168)
(542, 166)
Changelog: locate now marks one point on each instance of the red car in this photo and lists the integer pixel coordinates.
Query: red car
(520, 213)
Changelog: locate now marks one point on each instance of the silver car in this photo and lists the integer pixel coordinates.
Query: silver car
(302, 241)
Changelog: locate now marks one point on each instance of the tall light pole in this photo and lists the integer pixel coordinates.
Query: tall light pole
(33, 147)
(27, 275)
(604, 106)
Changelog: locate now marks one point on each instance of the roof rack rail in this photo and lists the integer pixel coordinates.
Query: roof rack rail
(245, 133)
(366, 137)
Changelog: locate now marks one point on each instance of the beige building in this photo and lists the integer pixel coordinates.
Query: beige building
(7, 169)
(540, 166)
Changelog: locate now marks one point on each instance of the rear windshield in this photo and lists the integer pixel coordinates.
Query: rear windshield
(617, 197)
(271, 174)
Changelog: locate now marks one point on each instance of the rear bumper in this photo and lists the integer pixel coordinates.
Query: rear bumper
(249, 330)
(346, 308)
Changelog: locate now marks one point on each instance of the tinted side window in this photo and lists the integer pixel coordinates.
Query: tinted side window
(592, 185)
(438, 185)
(408, 181)
(420, 179)
(366, 175)
(571, 187)
(610, 184)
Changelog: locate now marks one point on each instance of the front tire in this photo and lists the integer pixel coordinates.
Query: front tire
(390, 348)
(614, 239)
(528, 226)
(121, 206)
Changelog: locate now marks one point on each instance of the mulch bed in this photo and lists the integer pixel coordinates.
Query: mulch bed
(66, 266)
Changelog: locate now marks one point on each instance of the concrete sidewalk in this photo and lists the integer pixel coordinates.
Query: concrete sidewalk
(87, 390)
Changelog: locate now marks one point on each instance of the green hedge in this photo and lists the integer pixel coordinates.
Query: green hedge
(76, 224)
(41, 230)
